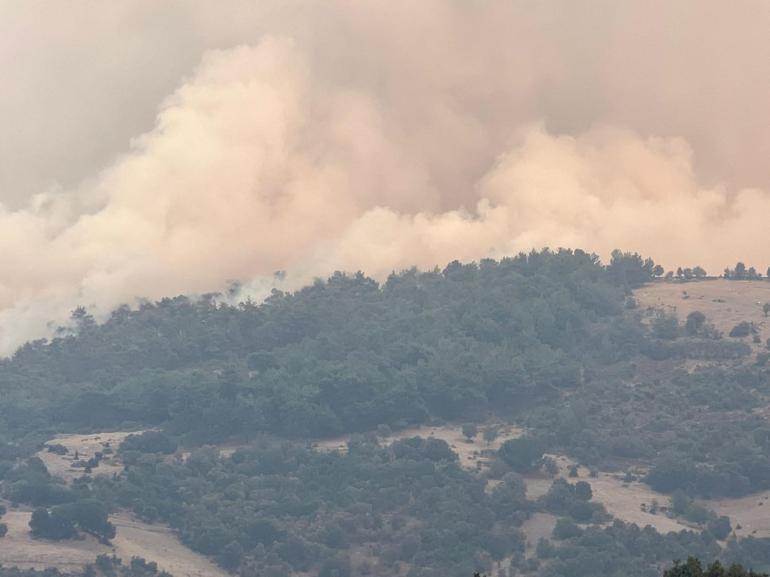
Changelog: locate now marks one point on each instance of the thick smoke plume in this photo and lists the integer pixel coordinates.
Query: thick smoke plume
(152, 149)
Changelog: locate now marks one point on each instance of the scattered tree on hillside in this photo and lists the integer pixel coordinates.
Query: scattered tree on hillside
(522, 454)
(665, 326)
(742, 329)
(693, 568)
(583, 491)
(740, 272)
(695, 322)
(62, 521)
(697, 272)
(630, 269)
(54, 525)
(490, 434)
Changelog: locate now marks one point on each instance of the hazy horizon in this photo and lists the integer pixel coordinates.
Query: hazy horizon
(161, 149)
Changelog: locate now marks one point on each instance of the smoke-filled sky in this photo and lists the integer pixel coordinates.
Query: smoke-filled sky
(152, 148)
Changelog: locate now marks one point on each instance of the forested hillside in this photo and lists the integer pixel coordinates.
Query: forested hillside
(553, 342)
(342, 355)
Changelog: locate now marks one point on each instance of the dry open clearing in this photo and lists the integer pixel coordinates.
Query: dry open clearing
(470, 454)
(155, 542)
(629, 502)
(725, 303)
(85, 447)
(134, 539)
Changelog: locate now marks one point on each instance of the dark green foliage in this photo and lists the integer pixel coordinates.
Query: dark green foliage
(63, 521)
(665, 326)
(742, 329)
(631, 270)
(149, 442)
(693, 568)
(695, 323)
(566, 529)
(286, 504)
(54, 525)
(543, 340)
(522, 454)
(343, 355)
(30, 483)
(583, 491)
(105, 565)
(740, 272)
(566, 499)
(720, 528)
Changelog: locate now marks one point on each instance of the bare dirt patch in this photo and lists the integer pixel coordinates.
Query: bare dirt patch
(134, 539)
(725, 303)
(82, 448)
(156, 542)
(538, 526)
(472, 455)
(749, 515)
(627, 501)
(17, 548)
(160, 543)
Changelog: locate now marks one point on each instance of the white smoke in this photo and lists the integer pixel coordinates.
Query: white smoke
(344, 135)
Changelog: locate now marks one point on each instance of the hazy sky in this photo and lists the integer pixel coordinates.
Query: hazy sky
(151, 148)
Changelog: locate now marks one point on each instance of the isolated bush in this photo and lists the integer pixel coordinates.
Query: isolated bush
(583, 491)
(522, 454)
(742, 329)
(470, 430)
(665, 326)
(720, 528)
(695, 322)
(149, 442)
(566, 529)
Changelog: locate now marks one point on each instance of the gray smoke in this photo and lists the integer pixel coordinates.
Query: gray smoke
(152, 149)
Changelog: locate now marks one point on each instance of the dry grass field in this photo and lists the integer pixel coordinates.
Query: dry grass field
(629, 502)
(155, 542)
(470, 454)
(84, 446)
(725, 303)
(134, 539)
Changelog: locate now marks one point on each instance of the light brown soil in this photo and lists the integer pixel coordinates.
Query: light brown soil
(725, 303)
(17, 548)
(134, 539)
(622, 500)
(752, 513)
(160, 544)
(85, 446)
(470, 454)
(538, 526)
